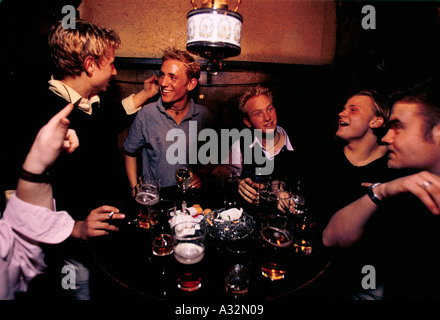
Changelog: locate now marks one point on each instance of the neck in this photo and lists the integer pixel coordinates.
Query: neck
(178, 107)
(273, 141)
(363, 152)
(178, 111)
(79, 85)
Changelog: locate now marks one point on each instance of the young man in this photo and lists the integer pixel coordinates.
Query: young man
(355, 157)
(173, 113)
(409, 205)
(83, 60)
(258, 111)
(93, 176)
(30, 217)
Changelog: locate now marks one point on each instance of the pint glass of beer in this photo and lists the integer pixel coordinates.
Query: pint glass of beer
(276, 241)
(189, 250)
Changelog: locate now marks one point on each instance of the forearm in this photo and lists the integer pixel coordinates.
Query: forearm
(35, 193)
(140, 98)
(348, 224)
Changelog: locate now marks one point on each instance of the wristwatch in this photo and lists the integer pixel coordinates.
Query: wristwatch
(372, 195)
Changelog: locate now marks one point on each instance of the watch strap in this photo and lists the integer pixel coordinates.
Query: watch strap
(33, 177)
(373, 197)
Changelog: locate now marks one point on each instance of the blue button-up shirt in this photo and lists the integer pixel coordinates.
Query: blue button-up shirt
(148, 134)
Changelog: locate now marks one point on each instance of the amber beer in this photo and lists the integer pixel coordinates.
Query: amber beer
(161, 235)
(162, 244)
(189, 250)
(304, 232)
(277, 247)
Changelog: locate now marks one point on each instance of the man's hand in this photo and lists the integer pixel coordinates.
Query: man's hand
(51, 140)
(96, 223)
(248, 189)
(424, 185)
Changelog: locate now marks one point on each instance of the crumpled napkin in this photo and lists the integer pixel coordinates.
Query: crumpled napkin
(186, 229)
(230, 214)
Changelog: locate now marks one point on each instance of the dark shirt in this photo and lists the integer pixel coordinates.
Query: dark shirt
(93, 175)
(412, 245)
(339, 184)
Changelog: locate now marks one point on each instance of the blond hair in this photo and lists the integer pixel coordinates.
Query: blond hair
(191, 65)
(253, 92)
(70, 47)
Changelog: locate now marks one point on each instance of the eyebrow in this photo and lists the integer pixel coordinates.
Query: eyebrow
(266, 107)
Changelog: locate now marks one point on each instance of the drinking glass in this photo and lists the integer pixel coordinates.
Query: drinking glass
(189, 250)
(260, 185)
(298, 199)
(237, 276)
(161, 235)
(230, 190)
(276, 242)
(303, 232)
(183, 178)
(147, 195)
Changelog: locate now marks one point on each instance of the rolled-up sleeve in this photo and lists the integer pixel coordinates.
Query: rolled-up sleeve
(135, 139)
(23, 228)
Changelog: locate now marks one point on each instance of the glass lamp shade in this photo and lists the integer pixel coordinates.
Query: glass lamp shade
(214, 34)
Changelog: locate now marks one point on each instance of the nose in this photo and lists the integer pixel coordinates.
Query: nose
(114, 71)
(163, 81)
(388, 137)
(266, 116)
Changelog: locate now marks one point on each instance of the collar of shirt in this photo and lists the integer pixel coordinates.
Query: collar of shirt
(287, 143)
(191, 112)
(70, 95)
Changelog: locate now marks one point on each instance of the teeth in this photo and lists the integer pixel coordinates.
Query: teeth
(343, 123)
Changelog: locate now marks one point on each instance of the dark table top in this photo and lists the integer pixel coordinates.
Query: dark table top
(126, 258)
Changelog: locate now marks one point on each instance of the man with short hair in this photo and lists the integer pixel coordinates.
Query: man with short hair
(83, 65)
(272, 145)
(410, 206)
(174, 112)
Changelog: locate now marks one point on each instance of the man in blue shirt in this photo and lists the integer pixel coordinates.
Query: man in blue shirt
(173, 119)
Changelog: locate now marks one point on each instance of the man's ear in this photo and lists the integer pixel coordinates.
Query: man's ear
(192, 84)
(89, 65)
(377, 122)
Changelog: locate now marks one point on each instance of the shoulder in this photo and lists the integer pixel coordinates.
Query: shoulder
(148, 112)
(202, 109)
(149, 108)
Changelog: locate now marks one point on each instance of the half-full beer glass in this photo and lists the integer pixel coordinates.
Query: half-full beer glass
(276, 239)
(189, 250)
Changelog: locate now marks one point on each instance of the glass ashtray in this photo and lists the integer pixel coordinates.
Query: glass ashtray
(225, 229)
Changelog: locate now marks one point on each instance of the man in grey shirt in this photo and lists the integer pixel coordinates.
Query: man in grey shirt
(166, 131)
